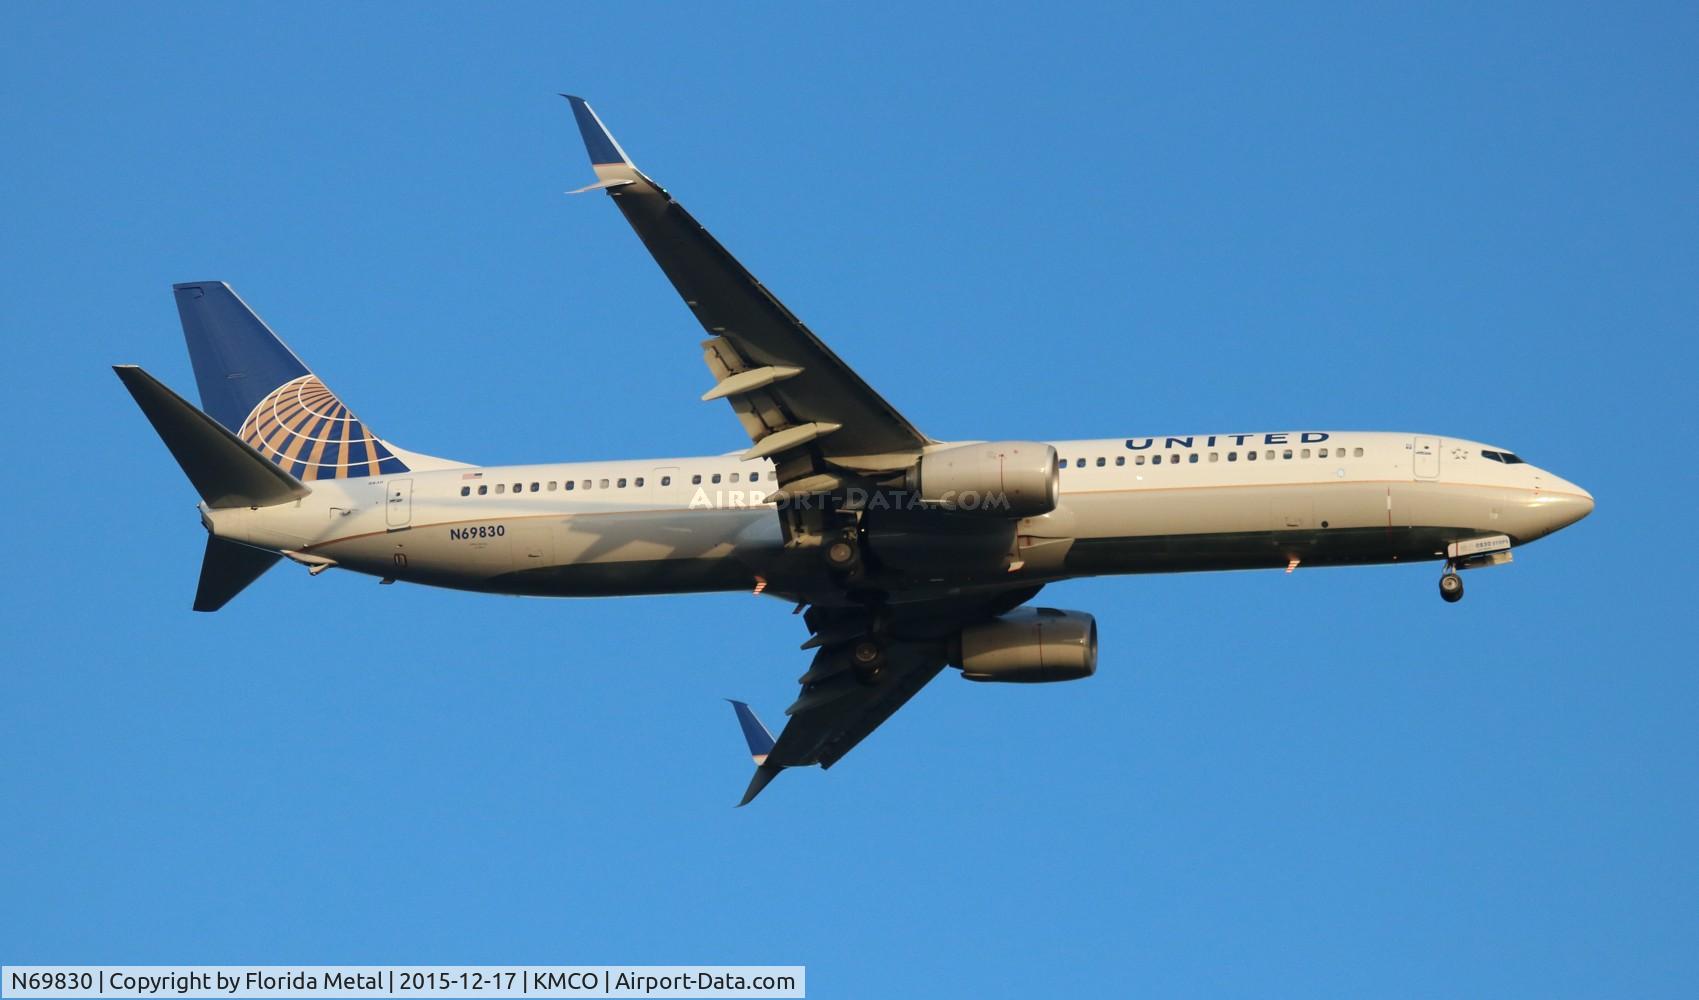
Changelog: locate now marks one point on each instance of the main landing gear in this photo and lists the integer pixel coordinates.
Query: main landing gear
(867, 659)
(842, 552)
(1451, 586)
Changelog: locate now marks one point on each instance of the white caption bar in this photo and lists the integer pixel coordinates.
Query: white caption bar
(404, 981)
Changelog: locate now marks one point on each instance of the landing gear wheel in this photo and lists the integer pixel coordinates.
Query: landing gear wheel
(1451, 587)
(842, 553)
(867, 659)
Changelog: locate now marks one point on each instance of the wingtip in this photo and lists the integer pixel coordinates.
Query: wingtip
(763, 777)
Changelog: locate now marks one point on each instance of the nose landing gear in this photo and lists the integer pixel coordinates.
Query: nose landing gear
(1451, 585)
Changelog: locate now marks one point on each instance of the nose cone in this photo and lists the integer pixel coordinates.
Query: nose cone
(1562, 503)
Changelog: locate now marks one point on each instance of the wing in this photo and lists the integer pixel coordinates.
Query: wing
(800, 404)
(847, 695)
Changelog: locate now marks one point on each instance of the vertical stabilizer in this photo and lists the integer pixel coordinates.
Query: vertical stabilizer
(253, 384)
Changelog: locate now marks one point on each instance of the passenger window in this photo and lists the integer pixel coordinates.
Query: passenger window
(465, 491)
(1192, 458)
(734, 477)
(551, 486)
(586, 484)
(604, 484)
(536, 487)
(622, 484)
(1286, 454)
(1138, 460)
(1322, 453)
(1102, 462)
(570, 484)
(1120, 460)
(696, 480)
(1304, 454)
(716, 477)
(482, 490)
(501, 487)
(754, 476)
(1215, 456)
(519, 487)
(1079, 463)
(1357, 452)
(638, 481)
(1232, 456)
(1250, 456)
(1269, 455)
(666, 480)
(1156, 460)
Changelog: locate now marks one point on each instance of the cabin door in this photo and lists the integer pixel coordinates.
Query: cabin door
(1425, 459)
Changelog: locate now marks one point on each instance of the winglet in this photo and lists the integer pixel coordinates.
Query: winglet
(760, 745)
(759, 739)
(598, 141)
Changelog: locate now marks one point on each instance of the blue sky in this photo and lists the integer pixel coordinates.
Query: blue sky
(1026, 223)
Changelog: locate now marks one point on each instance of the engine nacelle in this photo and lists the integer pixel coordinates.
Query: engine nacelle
(1030, 646)
(998, 478)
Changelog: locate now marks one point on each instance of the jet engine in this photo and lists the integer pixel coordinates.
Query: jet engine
(1030, 646)
(998, 478)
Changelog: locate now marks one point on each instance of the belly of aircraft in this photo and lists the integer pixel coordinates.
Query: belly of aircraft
(1138, 531)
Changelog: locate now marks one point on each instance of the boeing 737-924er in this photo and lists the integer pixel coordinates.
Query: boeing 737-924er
(909, 554)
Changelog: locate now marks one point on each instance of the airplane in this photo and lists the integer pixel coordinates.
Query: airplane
(903, 554)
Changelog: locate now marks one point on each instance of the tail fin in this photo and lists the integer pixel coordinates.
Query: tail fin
(224, 471)
(253, 384)
(227, 569)
(760, 745)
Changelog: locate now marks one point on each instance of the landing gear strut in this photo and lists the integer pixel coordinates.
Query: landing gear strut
(1451, 586)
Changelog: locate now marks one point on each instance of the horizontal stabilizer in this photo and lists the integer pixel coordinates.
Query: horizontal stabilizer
(225, 471)
(227, 569)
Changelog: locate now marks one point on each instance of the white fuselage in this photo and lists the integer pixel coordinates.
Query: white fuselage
(1127, 506)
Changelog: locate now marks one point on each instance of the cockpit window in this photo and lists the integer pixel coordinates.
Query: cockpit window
(1503, 456)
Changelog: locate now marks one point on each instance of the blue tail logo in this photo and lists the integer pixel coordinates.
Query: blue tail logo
(304, 428)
